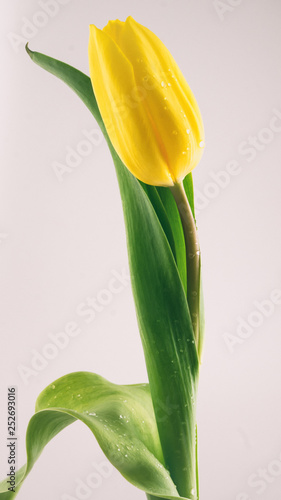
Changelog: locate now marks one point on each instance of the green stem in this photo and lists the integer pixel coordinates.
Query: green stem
(193, 256)
(197, 465)
(193, 264)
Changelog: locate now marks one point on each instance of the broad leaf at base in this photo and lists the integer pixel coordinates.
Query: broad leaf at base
(121, 418)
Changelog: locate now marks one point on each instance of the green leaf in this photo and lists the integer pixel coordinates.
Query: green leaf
(177, 231)
(162, 214)
(172, 212)
(166, 330)
(120, 417)
(75, 79)
(162, 310)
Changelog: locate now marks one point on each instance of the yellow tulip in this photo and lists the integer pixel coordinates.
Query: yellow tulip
(148, 109)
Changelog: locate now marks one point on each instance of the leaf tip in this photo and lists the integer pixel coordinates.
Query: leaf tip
(30, 52)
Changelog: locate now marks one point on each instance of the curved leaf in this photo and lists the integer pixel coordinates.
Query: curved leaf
(75, 79)
(120, 417)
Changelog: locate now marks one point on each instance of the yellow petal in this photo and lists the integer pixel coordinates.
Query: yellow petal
(161, 122)
(124, 117)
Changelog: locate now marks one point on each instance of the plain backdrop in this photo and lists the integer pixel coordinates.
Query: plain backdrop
(62, 239)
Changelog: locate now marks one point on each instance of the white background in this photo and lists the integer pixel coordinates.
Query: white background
(60, 241)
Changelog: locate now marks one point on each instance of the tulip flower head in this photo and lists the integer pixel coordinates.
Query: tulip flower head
(148, 109)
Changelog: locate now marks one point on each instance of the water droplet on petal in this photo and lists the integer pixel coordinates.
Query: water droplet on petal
(163, 84)
(169, 84)
(188, 131)
(175, 132)
(201, 144)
